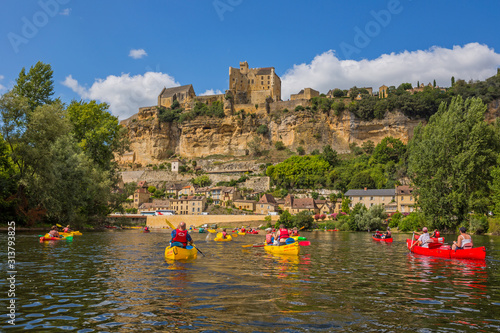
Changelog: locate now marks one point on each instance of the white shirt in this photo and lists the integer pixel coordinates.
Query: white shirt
(424, 238)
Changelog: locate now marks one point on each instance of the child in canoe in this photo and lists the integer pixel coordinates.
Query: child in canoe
(269, 237)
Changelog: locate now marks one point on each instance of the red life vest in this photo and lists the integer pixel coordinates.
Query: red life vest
(66, 230)
(224, 234)
(284, 234)
(436, 234)
(180, 236)
(242, 229)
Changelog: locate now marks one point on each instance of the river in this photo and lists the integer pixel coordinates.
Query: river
(119, 281)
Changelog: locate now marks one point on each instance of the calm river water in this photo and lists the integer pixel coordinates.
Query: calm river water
(119, 281)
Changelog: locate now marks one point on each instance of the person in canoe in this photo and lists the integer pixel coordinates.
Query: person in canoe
(283, 234)
(67, 229)
(53, 232)
(242, 229)
(387, 234)
(181, 235)
(224, 233)
(424, 239)
(435, 234)
(295, 232)
(146, 229)
(269, 236)
(463, 241)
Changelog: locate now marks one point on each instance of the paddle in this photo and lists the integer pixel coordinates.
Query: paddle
(253, 245)
(305, 243)
(413, 244)
(198, 250)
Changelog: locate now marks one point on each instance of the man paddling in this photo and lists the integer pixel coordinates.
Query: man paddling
(423, 240)
(181, 235)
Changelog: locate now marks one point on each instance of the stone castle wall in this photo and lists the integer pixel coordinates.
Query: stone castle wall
(197, 220)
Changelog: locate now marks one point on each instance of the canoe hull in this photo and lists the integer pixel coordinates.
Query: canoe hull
(179, 253)
(242, 233)
(387, 240)
(292, 249)
(227, 239)
(476, 253)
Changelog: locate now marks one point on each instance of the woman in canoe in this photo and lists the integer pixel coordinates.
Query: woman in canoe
(53, 232)
(295, 232)
(269, 237)
(181, 235)
(463, 241)
(224, 233)
(388, 233)
(67, 229)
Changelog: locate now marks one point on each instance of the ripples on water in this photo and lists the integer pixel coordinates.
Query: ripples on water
(120, 282)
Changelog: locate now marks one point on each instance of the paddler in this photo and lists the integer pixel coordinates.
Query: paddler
(423, 240)
(181, 235)
(67, 229)
(224, 233)
(295, 232)
(435, 234)
(388, 233)
(269, 236)
(283, 234)
(242, 229)
(53, 232)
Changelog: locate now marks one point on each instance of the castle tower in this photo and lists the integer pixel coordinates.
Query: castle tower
(244, 68)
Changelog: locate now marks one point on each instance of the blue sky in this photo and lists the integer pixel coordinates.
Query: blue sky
(317, 44)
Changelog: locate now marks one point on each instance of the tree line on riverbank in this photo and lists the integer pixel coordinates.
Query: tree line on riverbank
(56, 160)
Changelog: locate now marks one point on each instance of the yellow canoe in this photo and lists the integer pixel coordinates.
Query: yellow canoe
(72, 233)
(220, 239)
(293, 248)
(179, 253)
(242, 233)
(212, 231)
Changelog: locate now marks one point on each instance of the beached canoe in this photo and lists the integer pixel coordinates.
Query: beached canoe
(242, 233)
(219, 238)
(212, 231)
(445, 251)
(387, 240)
(293, 249)
(179, 253)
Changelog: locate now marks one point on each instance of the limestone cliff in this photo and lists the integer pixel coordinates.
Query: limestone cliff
(153, 141)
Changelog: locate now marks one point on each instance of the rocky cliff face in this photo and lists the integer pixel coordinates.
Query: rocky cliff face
(153, 141)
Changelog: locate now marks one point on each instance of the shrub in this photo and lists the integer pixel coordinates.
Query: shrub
(494, 226)
(301, 150)
(262, 129)
(478, 224)
(299, 108)
(395, 219)
(279, 145)
(414, 221)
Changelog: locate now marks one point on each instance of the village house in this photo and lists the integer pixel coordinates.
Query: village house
(337, 206)
(405, 199)
(254, 85)
(295, 206)
(323, 206)
(173, 190)
(175, 165)
(371, 197)
(192, 205)
(183, 94)
(141, 195)
(230, 194)
(188, 190)
(245, 204)
(267, 204)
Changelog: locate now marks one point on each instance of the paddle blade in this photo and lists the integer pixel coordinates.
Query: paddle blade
(235, 235)
(305, 243)
(258, 245)
(247, 245)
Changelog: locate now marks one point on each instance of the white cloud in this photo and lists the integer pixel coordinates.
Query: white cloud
(211, 92)
(137, 54)
(326, 71)
(125, 93)
(65, 12)
(1, 86)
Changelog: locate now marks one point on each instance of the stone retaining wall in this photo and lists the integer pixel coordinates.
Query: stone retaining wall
(197, 220)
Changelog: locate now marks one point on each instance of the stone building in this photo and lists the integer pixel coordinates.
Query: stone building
(295, 206)
(254, 85)
(266, 205)
(371, 197)
(405, 199)
(306, 93)
(245, 204)
(183, 94)
(192, 205)
(382, 91)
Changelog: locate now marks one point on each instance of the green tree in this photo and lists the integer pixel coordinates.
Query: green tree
(368, 147)
(262, 129)
(330, 156)
(450, 159)
(300, 150)
(97, 131)
(151, 189)
(370, 219)
(285, 219)
(37, 85)
(345, 205)
(201, 181)
(314, 195)
(452, 81)
(434, 83)
(389, 149)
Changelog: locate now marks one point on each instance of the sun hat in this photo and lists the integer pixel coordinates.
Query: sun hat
(424, 229)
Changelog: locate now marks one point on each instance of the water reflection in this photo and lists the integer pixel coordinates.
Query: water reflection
(120, 281)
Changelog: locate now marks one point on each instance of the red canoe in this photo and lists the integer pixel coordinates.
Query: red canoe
(445, 251)
(388, 240)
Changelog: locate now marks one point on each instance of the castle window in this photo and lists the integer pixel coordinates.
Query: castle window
(267, 82)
